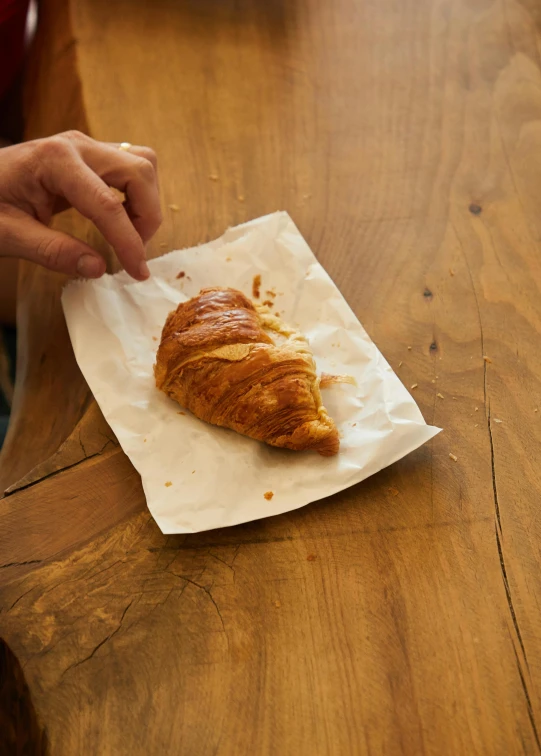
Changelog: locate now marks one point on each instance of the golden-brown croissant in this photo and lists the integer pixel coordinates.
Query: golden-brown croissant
(238, 366)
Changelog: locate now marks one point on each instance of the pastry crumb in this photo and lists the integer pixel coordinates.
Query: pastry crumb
(327, 379)
(181, 413)
(451, 272)
(311, 557)
(228, 259)
(410, 348)
(414, 385)
(267, 302)
(353, 425)
(400, 363)
(477, 409)
(277, 314)
(175, 208)
(168, 483)
(277, 604)
(241, 198)
(486, 359)
(536, 410)
(476, 425)
(441, 396)
(144, 440)
(181, 274)
(394, 491)
(270, 293)
(154, 338)
(256, 287)
(433, 380)
(163, 245)
(496, 420)
(214, 177)
(193, 472)
(268, 496)
(453, 457)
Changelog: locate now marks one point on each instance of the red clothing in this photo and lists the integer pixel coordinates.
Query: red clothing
(12, 27)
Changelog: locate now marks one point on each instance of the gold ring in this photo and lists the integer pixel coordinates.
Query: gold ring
(125, 146)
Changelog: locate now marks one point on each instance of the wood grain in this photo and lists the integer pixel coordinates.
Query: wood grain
(401, 616)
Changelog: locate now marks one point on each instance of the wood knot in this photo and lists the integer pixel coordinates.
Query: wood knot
(433, 347)
(475, 209)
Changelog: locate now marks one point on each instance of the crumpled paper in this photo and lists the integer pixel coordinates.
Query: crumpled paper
(197, 476)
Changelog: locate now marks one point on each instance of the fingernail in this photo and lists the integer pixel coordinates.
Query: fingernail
(144, 272)
(89, 266)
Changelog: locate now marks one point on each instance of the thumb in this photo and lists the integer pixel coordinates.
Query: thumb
(30, 240)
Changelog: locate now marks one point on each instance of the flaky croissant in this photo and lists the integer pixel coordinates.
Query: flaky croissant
(238, 366)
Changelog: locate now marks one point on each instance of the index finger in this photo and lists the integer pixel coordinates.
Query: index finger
(91, 196)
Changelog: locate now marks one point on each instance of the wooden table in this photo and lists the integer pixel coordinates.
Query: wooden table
(401, 616)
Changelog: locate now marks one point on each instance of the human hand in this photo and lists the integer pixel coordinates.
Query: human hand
(45, 176)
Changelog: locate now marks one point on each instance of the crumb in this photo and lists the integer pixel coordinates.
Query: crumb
(228, 259)
(394, 491)
(268, 496)
(476, 425)
(441, 396)
(277, 314)
(451, 272)
(270, 293)
(454, 397)
(168, 483)
(306, 196)
(175, 208)
(353, 425)
(486, 359)
(193, 472)
(414, 385)
(433, 380)
(241, 198)
(453, 457)
(497, 421)
(327, 379)
(181, 413)
(256, 287)
(311, 557)
(277, 604)
(410, 348)
(267, 302)
(181, 274)
(144, 440)
(536, 410)
(154, 338)
(163, 245)
(400, 363)
(477, 409)
(213, 177)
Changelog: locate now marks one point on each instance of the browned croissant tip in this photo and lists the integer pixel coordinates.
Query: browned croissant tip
(217, 358)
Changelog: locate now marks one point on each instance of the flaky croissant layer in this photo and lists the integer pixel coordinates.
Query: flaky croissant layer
(237, 366)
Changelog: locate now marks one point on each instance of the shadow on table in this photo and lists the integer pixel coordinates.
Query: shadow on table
(20, 731)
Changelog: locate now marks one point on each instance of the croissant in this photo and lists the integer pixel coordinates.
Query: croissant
(236, 365)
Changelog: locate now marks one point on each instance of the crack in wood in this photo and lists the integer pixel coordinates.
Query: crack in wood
(101, 643)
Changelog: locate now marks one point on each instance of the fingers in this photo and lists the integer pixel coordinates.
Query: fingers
(24, 237)
(90, 195)
(79, 171)
(133, 172)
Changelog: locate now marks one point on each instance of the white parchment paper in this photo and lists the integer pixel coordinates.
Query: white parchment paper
(197, 476)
